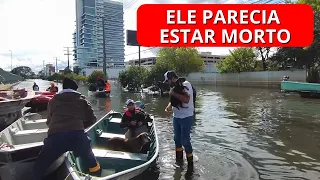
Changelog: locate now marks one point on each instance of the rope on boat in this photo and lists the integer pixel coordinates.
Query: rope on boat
(87, 176)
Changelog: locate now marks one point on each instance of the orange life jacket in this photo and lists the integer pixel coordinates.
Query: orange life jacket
(107, 86)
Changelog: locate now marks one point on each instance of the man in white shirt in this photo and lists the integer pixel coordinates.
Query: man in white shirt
(182, 117)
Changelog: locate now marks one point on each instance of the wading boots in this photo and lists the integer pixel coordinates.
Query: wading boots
(179, 156)
(190, 160)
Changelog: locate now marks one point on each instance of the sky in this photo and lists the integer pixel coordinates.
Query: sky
(37, 31)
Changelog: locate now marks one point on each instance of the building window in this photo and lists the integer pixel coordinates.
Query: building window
(90, 3)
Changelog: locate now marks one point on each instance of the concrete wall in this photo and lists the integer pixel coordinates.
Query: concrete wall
(247, 79)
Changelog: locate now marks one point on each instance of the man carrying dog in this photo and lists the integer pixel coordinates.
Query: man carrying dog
(69, 114)
(182, 117)
(135, 119)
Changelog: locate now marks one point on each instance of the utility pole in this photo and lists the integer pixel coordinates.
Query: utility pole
(56, 68)
(11, 58)
(68, 54)
(139, 57)
(104, 52)
(44, 70)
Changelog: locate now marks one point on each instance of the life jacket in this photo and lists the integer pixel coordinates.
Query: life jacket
(129, 114)
(107, 86)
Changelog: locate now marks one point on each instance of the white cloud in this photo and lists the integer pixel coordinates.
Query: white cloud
(37, 30)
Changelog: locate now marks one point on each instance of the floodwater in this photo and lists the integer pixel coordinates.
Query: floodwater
(239, 133)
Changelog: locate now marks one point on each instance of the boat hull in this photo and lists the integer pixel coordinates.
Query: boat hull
(290, 86)
(21, 170)
(101, 93)
(11, 111)
(25, 139)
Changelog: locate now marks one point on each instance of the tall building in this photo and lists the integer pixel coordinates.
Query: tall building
(90, 31)
(49, 70)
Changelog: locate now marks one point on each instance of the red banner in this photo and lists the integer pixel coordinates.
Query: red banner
(225, 25)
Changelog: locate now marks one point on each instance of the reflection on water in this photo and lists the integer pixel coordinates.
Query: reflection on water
(239, 133)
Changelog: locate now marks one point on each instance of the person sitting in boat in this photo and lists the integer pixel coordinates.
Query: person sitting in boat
(108, 89)
(135, 119)
(69, 114)
(35, 87)
(53, 88)
(100, 83)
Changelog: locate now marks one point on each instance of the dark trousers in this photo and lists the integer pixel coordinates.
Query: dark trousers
(182, 130)
(57, 144)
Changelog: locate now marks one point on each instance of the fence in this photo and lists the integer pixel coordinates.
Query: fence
(247, 79)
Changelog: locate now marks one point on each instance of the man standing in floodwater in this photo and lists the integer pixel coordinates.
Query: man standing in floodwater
(182, 118)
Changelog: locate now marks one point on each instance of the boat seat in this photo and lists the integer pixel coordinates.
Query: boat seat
(115, 120)
(30, 136)
(111, 135)
(118, 121)
(103, 153)
(35, 124)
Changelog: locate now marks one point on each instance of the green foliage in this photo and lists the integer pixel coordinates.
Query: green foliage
(67, 71)
(181, 60)
(299, 57)
(239, 60)
(72, 76)
(156, 74)
(76, 69)
(23, 71)
(133, 77)
(313, 75)
(92, 78)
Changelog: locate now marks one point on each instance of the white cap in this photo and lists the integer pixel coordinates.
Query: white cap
(168, 75)
(129, 101)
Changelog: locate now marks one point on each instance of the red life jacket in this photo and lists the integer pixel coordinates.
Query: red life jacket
(128, 113)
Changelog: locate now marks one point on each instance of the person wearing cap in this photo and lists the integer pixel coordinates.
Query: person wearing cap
(182, 118)
(134, 118)
(69, 114)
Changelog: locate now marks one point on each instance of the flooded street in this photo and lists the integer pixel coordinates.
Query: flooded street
(239, 133)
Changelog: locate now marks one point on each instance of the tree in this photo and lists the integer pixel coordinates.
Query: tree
(67, 71)
(133, 77)
(181, 60)
(92, 78)
(23, 71)
(302, 57)
(263, 52)
(76, 69)
(60, 77)
(156, 74)
(239, 60)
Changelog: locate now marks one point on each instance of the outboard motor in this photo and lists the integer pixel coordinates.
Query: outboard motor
(285, 78)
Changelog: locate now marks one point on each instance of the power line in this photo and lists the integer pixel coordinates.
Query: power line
(140, 51)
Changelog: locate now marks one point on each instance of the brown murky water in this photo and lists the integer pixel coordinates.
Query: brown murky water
(239, 133)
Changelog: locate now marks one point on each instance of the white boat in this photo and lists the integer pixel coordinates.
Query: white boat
(21, 143)
(10, 109)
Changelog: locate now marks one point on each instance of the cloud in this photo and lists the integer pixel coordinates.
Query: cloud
(38, 30)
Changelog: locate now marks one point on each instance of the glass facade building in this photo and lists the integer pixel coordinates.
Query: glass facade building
(88, 37)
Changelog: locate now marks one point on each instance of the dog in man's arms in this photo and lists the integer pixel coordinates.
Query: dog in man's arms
(178, 88)
(139, 144)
